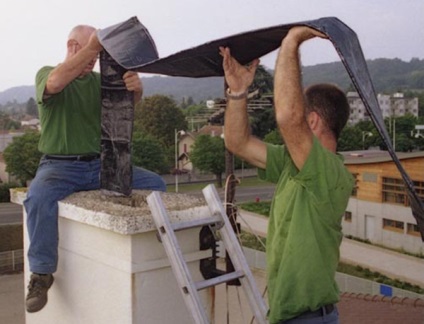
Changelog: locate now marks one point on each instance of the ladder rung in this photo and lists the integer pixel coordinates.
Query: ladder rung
(197, 223)
(218, 280)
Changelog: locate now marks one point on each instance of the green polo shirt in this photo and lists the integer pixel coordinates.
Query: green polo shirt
(70, 119)
(304, 231)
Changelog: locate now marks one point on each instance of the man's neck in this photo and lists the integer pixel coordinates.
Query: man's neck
(328, 142)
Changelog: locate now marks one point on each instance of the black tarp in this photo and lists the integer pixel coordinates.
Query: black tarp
(117, 114)
(205, 61)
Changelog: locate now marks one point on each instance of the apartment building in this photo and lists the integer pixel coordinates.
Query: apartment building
(379, 208)
(394, 105)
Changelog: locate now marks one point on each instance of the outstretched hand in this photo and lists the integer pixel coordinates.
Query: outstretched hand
(238, 77)
(303, 33)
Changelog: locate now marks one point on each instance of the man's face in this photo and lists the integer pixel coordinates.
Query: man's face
(79, 43)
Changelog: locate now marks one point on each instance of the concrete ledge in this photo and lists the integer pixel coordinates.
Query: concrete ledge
(123, 215)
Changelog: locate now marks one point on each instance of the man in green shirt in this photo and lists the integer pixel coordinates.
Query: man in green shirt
(313, 185)
(69, 103)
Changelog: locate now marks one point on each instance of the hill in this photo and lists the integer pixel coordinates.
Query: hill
(388, 75)
(200, 89)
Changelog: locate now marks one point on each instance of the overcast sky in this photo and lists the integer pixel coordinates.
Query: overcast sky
(33, 33)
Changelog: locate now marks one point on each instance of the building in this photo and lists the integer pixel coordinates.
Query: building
(395, 105)
(379, 209)
(30, 122)
(187, 140)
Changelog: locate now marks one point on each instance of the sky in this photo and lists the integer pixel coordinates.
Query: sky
(33, 33)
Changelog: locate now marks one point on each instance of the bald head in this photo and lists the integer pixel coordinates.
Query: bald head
(79, 38)
(81, 34)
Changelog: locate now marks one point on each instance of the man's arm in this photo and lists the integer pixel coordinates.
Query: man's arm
(74, 66)
(238, 138)
(289, 100)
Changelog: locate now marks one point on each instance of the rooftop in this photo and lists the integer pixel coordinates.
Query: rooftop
(377, 156)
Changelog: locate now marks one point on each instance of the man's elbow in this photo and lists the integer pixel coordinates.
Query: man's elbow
(231, 145)
(53, 85)
(234, 144)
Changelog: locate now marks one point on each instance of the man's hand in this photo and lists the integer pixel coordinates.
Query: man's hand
(133, 83)
(300, 34)
(94, 43)
(238, 77)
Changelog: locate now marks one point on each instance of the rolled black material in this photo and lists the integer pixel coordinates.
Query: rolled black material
(118, 103)
(116, 125)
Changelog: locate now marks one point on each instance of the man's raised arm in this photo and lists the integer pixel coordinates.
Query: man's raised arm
(290, 107)
(238, 138)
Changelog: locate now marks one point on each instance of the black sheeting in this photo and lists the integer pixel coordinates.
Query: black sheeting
(117, 114)
(205, 61)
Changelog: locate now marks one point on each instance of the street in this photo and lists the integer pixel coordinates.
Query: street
(244, 194)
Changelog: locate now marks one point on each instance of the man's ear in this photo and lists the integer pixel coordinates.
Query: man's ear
(313, 120)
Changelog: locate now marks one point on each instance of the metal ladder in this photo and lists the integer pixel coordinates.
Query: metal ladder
(189, 288)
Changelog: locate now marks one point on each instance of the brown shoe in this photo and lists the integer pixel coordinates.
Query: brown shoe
(38, 286)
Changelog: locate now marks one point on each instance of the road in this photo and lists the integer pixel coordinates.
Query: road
(244, 194)
(262, 193)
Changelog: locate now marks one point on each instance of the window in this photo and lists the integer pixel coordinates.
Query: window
(392, 225)
(412, 229)
(355, 186)
(419, 188)
(348, 216)
(394, 191)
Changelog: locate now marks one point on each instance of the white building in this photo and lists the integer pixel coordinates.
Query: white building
(395, 105)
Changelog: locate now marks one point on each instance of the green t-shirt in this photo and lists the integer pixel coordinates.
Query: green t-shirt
(70, 119)
(304, 231)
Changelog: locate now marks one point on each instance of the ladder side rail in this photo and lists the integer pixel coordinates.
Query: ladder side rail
(179, 267)
(233, 247)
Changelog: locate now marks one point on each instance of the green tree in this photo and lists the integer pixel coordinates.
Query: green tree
(7, 123)
(159, 116)
(192, 112)
(22, 156)
(262, 122)
(404, 143)
(350, 139)
(208, 154)
(263, 81)
(148, 153)
(31, 107)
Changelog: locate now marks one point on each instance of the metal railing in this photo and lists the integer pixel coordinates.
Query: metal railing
(11, 261)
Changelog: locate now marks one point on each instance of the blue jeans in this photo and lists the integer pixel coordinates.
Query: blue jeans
(55, 180)
(330, 318)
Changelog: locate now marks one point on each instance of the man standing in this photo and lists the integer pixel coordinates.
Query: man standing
(313, 185)
(68, 98)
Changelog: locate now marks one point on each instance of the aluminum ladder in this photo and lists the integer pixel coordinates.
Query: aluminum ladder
(188, 287)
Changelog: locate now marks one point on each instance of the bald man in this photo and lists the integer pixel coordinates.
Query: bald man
(69, 103)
